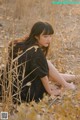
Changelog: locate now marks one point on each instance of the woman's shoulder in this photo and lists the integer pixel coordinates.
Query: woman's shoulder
(39, 54)
(35, 48)
(35, 51)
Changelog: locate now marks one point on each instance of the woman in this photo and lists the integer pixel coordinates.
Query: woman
(34, 71)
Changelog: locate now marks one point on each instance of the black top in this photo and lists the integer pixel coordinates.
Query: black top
(32, 67)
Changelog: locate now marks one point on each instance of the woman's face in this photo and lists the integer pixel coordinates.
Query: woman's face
(44, 40)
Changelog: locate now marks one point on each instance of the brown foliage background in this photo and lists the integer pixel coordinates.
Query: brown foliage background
(17, 18)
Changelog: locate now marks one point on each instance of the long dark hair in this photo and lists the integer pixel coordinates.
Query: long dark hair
(37, 29)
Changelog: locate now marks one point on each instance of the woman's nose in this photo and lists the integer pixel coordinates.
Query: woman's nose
(49, 39)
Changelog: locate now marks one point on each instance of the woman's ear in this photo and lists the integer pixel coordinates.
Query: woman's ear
(37, 37)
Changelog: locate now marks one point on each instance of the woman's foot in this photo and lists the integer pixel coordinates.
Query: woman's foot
(70, 86)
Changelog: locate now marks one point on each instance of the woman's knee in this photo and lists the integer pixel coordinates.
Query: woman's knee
(49, 62)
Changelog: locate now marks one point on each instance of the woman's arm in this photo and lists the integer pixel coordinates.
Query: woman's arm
(46, 85)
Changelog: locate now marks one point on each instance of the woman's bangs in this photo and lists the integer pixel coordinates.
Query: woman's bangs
(48, 30)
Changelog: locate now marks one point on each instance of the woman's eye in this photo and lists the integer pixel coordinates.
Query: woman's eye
(45, 36)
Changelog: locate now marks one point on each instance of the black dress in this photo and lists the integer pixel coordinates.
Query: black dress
(32, 66)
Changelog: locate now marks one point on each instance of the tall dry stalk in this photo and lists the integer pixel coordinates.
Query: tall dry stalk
(11, 85)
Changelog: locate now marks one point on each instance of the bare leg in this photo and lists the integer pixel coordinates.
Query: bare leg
(68, 77)
(57, 77)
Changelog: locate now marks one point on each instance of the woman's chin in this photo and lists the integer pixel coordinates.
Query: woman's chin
(46, 45)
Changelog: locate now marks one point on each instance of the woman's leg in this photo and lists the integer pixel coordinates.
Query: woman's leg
(68, 77)
(59, 78)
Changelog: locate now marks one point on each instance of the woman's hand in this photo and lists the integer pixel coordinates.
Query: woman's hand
(51, 91)
(55, 92)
